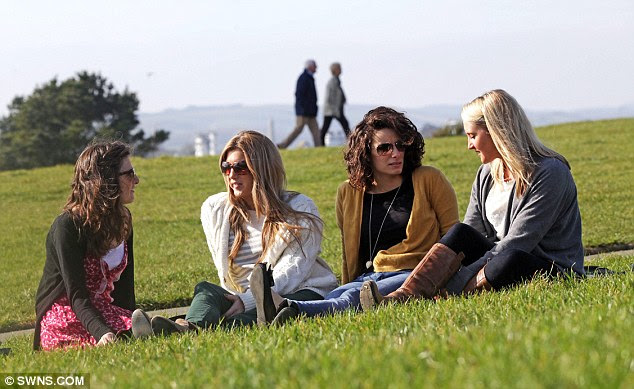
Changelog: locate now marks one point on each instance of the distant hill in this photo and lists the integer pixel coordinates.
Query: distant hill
(185, 124)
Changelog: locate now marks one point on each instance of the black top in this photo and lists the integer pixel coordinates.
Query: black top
(64, 274)
(394, 228)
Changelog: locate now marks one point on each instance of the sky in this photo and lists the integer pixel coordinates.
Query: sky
(549, 54)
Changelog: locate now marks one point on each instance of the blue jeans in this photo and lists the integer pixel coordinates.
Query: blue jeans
(347, 295)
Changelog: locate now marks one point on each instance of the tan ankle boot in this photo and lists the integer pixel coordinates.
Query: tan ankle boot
(477, 284)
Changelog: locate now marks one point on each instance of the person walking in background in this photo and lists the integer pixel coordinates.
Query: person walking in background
(523, 217)
(86, 294)
(335, 99)
(255, 225)
(305, 106)
(390, 211)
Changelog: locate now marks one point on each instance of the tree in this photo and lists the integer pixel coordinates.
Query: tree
(452, 128)
(56, 122)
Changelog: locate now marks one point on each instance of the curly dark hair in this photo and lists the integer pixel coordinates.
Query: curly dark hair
(358, 153)
(94, 202)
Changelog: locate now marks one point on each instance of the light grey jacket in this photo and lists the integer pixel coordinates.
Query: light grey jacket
(335, 98)
(295, 266)
(545, 221)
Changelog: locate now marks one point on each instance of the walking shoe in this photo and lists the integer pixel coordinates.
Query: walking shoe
(284, 315)
(141, 326)
(260, 284)
(164, 326)
(370, 296)
(124, 335)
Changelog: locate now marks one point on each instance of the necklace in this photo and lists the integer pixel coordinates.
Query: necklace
(368, 264)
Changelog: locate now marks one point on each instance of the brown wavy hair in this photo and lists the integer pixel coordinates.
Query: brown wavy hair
(269, 195)
(358, 153)
(94, 202)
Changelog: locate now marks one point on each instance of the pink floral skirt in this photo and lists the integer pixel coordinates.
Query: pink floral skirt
(60, 327)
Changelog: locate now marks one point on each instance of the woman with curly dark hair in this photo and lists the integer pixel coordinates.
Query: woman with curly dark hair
(86, 294)
(390, 211)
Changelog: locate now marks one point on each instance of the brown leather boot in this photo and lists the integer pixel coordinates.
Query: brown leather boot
(477, 284)
(431, 274)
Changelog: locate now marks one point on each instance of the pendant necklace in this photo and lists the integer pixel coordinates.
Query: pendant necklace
(368, 264)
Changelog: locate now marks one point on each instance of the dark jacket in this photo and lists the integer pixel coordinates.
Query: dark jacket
(64, 274)
(306, 96)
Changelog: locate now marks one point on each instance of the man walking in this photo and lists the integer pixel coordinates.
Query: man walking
(305, 106)
(335, 99)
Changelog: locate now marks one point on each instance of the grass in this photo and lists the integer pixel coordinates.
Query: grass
(567, 332)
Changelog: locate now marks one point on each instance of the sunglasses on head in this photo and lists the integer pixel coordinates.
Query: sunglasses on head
(130, 173)
(386, 148)
(240, 168)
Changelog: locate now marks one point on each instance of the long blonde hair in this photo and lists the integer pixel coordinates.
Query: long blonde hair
(512, 134)
(268, 193)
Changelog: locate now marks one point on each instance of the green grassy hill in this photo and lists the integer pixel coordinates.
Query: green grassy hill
(574, 333)
(170, 248)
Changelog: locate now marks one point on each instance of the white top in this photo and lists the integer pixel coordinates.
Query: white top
(249, 252)
(114, 256)
(496, 205)
(295, 266)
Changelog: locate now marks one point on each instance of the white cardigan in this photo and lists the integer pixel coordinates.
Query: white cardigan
(294, 267)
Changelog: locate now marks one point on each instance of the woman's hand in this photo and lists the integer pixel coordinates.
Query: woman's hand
(108, 337)
(237, 305)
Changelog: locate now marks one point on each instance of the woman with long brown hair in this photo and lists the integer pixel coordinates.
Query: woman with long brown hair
(86, 294)
(255, 224)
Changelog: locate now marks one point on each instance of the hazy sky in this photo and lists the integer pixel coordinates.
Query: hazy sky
(547, 53)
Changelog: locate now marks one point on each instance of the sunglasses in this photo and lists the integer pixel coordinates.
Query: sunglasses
(240, 168)
(130, 173)
(386, 148)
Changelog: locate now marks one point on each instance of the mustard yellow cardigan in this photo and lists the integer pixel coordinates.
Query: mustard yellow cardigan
(434, 211)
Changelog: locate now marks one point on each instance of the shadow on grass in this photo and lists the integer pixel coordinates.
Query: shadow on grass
(607, 248)
(152, 305)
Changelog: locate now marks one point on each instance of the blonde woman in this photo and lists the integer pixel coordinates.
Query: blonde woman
(257, 224)
(523, 217)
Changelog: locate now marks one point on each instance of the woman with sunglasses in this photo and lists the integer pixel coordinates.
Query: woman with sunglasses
(390, 211)
(257, 224)
(523, 217)
(86, 294)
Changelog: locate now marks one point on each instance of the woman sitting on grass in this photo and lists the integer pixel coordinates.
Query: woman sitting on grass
(390, 211)
(523, 217)
(86, 294)
(256, 223)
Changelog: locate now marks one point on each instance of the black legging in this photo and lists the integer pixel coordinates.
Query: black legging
(504, 269)
(328, 119)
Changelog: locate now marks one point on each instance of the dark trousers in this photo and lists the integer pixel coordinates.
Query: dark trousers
(502, 270)
(209, 304)
(328, 119)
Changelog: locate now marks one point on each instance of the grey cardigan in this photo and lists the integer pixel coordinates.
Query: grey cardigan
(545, 221)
